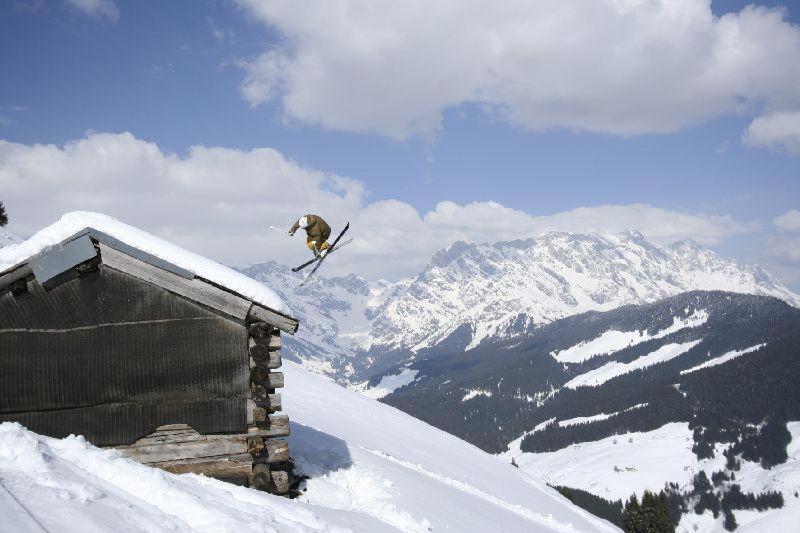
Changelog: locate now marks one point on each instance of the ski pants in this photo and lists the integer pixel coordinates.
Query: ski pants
(310, 243)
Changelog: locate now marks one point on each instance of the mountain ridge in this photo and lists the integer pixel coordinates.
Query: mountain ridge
(354, 329)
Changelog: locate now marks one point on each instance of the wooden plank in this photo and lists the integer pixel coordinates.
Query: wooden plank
(169, 452)
(280, 321)
(273, 426)
(17, 274)
(268, 359)
(265, 450)
(262, 376)
(193, 289)
(272, 402)
(229, 466)
(271, 342)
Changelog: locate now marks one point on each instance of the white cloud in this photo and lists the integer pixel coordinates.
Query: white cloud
(220, 202)
(779, 131)
(617, 66)
(789, 221)
(97, 8)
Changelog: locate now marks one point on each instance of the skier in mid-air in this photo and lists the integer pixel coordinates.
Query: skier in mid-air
(317, 233)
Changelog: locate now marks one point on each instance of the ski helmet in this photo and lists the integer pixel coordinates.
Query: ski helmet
(303, 222)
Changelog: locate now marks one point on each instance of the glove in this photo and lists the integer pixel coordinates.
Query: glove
(291, 234)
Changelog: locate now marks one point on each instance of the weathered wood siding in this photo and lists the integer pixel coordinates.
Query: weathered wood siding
(114, 357)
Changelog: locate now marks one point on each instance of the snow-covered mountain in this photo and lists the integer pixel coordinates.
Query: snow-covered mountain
(336, 315)
(484, 291)
(380, 471)
(621, 401)
(354, 329)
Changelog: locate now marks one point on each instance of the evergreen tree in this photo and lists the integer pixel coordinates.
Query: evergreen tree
(651, 516)
(3, 215)
(631, 516)
(729, 522)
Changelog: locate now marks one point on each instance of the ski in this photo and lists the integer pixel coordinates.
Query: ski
(314, 260)
(321, 259)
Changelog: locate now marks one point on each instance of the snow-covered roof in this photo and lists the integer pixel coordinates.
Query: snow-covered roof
(76, 222)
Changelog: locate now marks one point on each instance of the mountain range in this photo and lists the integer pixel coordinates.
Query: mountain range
(355, 330)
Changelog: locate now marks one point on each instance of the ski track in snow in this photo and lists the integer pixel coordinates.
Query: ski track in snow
(536, 518)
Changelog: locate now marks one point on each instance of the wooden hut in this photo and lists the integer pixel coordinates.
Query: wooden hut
(103, 339)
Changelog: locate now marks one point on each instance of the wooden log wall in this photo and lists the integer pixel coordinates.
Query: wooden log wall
(270, 454)
(259, 457)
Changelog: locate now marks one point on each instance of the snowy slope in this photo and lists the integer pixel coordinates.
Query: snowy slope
(371, 468)
(618, 466)
(71, 223)
(354, 329)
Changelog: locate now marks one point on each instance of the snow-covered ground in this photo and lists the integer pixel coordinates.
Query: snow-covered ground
(614, 341)
(388, 384)
(613, 369)
(616, 467)
(71, 223)
(724, 358)
(372, 467)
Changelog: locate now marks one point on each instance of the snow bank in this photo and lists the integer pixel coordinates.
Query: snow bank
(372, 467)
(72, 223)
(613, 369)
(724, 358)
(613, 341)
(69, 485)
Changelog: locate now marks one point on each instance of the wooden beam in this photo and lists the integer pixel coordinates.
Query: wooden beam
(280, 321)
(276, 426)
(259, 330)
(17, 274)
(265, 358)
(266, 450)
(193, 289)
(225, 467)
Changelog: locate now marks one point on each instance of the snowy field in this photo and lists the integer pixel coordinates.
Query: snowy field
(616, 467)
(372, 467)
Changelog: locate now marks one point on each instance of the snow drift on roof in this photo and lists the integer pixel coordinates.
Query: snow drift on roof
(203, 267)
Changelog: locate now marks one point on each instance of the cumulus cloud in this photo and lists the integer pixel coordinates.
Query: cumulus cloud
(220, 202)
(789, 221)
(96, 8)
(616, 66)
(779, 131)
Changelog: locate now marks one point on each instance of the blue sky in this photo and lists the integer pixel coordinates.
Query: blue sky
(175, 74)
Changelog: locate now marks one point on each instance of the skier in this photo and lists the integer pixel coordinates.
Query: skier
(317, 233)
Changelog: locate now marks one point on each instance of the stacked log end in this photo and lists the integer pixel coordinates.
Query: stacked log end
(270, 453)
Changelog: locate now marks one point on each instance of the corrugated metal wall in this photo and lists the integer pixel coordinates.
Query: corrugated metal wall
(112, 357)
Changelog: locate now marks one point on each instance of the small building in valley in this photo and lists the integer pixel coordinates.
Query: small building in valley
(114, 334)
